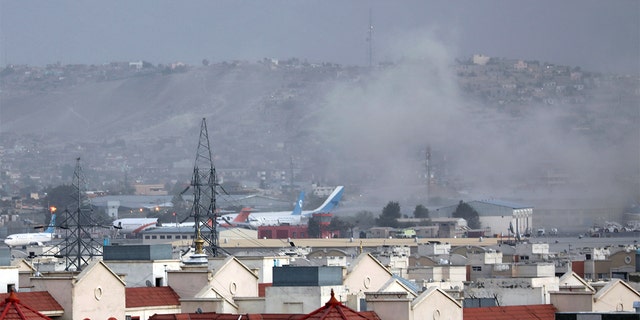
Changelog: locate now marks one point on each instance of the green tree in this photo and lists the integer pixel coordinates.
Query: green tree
(341, 227)
(390, 215)
(421, 212)
(59, 197)
(364, 219)
(468, 213)
(313, 227)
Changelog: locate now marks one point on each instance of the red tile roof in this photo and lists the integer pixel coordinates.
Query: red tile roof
(528, 312)
(151, 296)
(12, 309)
(334, 309)
(226, 316)
(38, 300)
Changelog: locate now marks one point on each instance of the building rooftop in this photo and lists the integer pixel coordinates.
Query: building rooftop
(12, 308)
(527, 312)
(151, 296)
(37, 300)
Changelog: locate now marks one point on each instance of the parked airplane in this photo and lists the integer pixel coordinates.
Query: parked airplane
(134, 225)
(36, 238)
(240, 220)
(294, 217)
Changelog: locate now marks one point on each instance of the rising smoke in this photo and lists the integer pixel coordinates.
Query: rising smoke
(379, 128)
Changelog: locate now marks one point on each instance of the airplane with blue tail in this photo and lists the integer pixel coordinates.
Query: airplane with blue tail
(35, 238)
(294, 217)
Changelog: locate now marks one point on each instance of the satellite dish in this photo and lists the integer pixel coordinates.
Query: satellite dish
(148, 283)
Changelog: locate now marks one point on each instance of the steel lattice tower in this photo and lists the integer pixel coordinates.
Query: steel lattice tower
(78, 247)
(204, 183)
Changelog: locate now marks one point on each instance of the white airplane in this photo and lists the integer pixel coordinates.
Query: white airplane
(36, 238)
(294, 217)
(135, 225)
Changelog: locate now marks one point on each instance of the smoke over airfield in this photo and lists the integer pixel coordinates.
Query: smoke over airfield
(379, 128)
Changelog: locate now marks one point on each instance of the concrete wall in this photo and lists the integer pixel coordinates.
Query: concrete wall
(572, 301)
(390, 309)
(299, 299)
(137, 273)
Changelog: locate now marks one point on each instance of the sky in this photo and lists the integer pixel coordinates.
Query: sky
(602, 36)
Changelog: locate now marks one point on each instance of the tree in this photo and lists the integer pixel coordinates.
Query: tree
(468, 213)
(59, 197)
(421, 212)
(341, 227)
(390, 215)
(364, 219)
(313, 227)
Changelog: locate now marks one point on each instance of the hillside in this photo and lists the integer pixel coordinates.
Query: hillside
(504, 128)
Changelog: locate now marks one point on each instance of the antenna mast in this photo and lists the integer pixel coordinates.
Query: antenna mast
(370, 40)
(204, 183)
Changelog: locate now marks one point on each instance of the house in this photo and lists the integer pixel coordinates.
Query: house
(332, 309)
(365, 274)
(617, 295)
(432, 303)
(95, 293)
(219, 286)
(302, 289)
(143, 302)
(577, 295)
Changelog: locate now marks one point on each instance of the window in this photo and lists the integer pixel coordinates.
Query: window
(162, 236)
(524, 258)
(184, 236)
(154, 237)
(476, 268)
(147, 237)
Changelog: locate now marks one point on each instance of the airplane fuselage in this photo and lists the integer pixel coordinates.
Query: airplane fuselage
(24, 239)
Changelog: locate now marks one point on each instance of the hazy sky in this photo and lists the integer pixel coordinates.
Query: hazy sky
(596, 35)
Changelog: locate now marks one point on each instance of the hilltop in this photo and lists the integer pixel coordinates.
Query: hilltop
(559, 125)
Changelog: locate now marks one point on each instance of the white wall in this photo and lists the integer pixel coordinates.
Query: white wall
(9, 275)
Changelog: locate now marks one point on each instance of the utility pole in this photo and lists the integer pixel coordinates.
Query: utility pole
(78, 247)
(204, 183)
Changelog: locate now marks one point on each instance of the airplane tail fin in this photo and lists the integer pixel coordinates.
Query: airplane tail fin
(52, 225)
(297, 210)
(332, 201)
(243, 216)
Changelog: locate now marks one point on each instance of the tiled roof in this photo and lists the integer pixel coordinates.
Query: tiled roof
(334, 309)
(38, 300)
(12, 309)
(226, 316)
(151, 296)
(528, 312)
